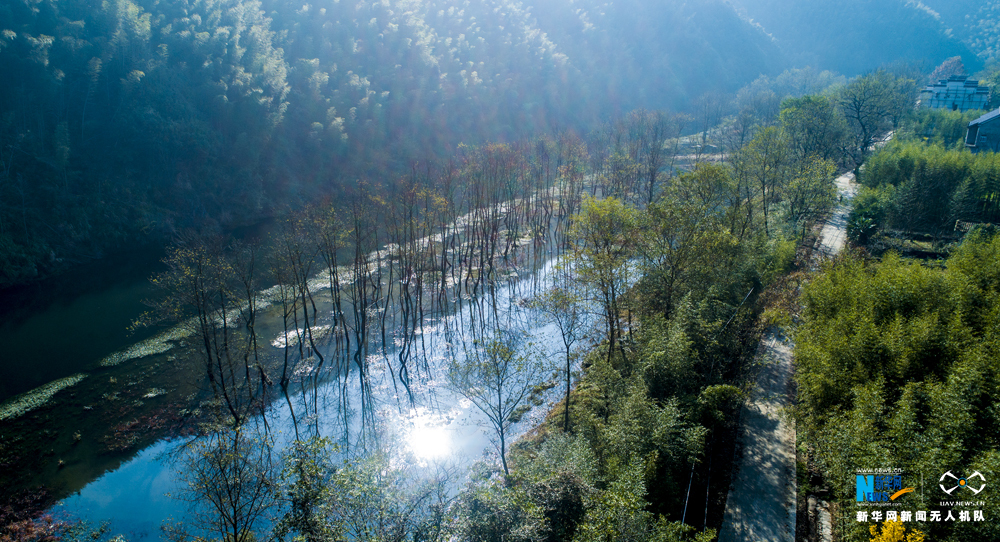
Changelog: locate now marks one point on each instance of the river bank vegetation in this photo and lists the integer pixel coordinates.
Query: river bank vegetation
(669, 280)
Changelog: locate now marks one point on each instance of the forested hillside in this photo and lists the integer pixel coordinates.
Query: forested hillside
(856, 36)
(972, 21)
(122, 122)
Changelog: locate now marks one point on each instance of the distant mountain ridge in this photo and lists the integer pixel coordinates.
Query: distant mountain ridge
(126, 120)
(856, 36)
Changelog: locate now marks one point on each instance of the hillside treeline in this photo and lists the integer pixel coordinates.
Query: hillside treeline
(971, 22)
(124, 122)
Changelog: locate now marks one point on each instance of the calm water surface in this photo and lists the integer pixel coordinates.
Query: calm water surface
(66, 324)
(100, 448)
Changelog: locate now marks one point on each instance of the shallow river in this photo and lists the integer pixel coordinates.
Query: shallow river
(99, 443)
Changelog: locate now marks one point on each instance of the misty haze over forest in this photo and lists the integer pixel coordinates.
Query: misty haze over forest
(126, 122)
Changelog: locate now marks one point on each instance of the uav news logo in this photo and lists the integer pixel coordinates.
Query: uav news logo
(964, 483)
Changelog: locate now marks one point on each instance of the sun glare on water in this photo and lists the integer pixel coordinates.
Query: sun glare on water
(428, 436)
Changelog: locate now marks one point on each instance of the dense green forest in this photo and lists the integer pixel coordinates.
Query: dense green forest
(895, 359)
(128, 122)
(896, 366)
(925, 183)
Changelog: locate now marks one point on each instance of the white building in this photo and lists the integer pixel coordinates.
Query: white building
(957, 93)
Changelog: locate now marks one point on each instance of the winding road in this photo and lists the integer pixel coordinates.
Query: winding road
(761, 501)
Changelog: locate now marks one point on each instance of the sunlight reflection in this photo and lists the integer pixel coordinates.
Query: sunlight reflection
(428, 438)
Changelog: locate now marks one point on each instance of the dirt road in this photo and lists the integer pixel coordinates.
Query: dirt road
(834, 234)
(761, 502)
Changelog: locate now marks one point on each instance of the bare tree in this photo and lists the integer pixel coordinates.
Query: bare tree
(287, 290)
(709, 108)
(738, 130)
(810, 192)
(605, 236)
(764, 161)
(214, 292)
(870, 104)
(762, 104)
(332, 239)
(496, 377)
(657, 129)
(561, 305)
(814, 127)
(231, 480)
(368, 498)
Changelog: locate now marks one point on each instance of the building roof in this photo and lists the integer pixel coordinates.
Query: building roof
(985, 118)
(957, 83)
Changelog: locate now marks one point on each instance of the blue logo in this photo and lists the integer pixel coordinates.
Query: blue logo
(880, 488)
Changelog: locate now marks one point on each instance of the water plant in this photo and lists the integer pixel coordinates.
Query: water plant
(37, 397)
(153, 345)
